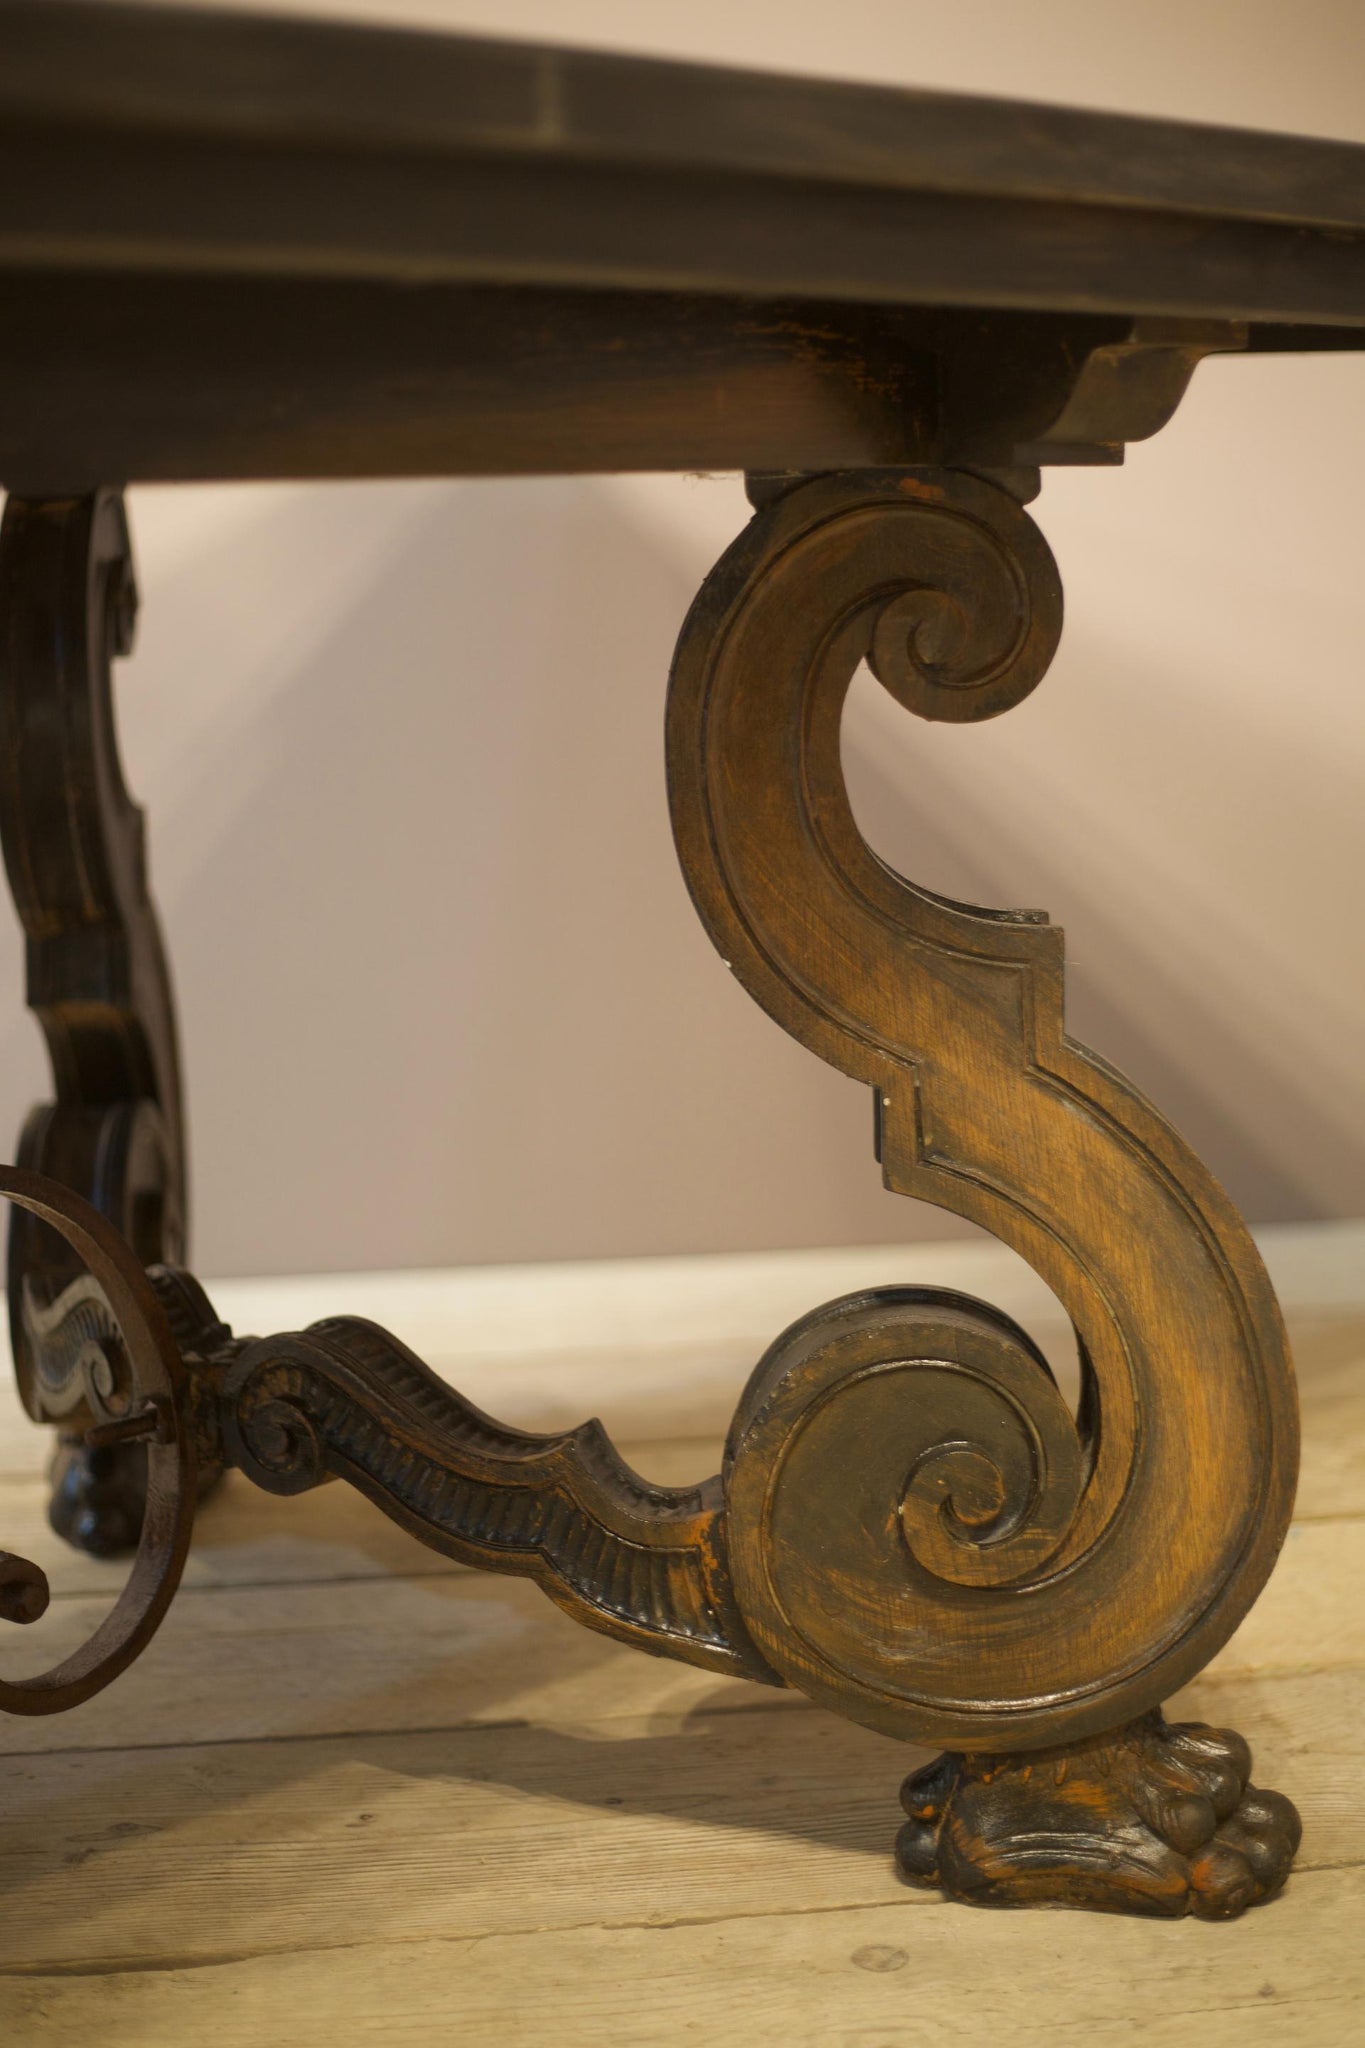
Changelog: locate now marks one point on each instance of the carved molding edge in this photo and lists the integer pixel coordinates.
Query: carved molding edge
(922, 1536)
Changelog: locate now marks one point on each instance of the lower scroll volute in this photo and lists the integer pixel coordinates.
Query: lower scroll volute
(901, 1460)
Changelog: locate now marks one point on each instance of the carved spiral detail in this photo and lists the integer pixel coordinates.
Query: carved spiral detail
(74, 850)
(96, 979)
(936, 1420)
(275, 1441)
(892, 1448)
(919, 1533)
(975, 636)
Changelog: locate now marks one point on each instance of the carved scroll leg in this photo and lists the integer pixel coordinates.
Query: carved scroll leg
(97, 976)
(922, 1536)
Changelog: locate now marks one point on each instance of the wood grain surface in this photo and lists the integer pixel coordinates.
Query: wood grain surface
(921, 1533)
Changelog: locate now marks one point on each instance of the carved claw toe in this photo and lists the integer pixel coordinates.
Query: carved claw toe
(1249, 1857)
(1151, 1818)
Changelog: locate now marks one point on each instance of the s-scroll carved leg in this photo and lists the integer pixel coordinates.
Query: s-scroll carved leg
(921, 1535)
(97, 976)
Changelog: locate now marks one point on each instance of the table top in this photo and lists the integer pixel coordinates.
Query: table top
(276, 180)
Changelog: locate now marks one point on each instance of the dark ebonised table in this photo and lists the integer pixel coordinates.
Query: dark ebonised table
(258, 248)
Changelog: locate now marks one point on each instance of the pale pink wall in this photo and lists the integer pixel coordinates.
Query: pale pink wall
(444, 997)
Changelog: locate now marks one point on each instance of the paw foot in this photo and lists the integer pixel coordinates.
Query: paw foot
(1153, 1818)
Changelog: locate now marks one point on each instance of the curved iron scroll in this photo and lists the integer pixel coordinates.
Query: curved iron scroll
(107, 1349)
(921, 1535)
(148, 1358)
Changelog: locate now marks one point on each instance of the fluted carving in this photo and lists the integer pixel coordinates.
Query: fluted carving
(643, 1563)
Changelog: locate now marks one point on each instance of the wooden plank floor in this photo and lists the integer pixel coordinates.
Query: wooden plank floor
(355, 1794)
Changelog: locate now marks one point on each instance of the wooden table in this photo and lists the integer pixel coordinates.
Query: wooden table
(236, 248)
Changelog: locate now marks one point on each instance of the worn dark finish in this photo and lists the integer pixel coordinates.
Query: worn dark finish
(97, 977)
(261, 376)
(239, 247)
(104, 1349)
(233, 145)
(937, 1534)
(1154, 1818)
(234, 247)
